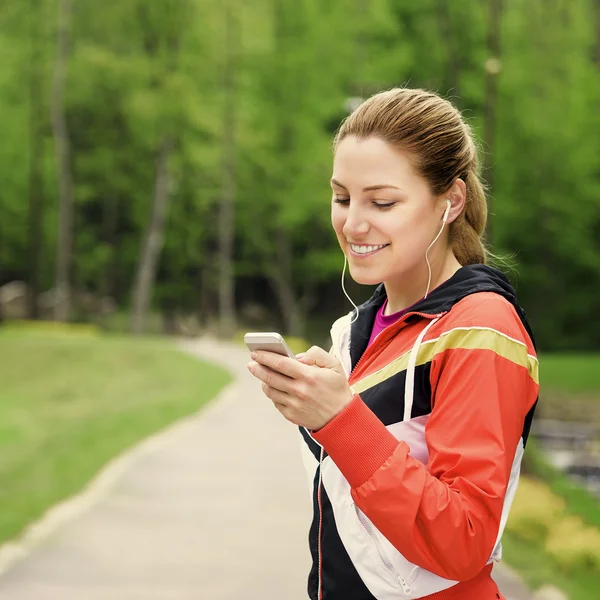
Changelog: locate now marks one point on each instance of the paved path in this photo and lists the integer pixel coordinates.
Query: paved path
(214, 508)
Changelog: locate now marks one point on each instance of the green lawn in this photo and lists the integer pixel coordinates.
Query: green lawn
(571, 373)
(70, 403)
(570, 387)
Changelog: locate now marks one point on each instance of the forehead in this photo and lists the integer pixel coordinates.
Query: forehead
(372, 161)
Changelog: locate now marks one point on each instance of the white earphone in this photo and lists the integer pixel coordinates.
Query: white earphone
(447, 212)
(444, 220)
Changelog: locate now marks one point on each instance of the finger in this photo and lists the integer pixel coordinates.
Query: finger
(281, 404)
(269, 377)
(280, 399)
(282, 364)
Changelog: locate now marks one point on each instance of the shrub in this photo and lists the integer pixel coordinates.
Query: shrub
(574, 545)
(534, 512)
(53, 327)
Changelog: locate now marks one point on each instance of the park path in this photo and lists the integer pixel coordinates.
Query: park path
(216, 507)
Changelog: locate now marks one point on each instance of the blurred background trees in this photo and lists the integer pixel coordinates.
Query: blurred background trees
(171, 158)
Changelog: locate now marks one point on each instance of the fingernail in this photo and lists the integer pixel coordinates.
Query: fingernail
(253, 355)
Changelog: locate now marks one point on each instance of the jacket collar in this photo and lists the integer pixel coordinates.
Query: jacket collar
(350, 341)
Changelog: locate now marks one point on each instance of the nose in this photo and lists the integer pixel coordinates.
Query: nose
(356, 224)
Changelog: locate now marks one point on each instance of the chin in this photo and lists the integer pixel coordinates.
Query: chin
(365, 278)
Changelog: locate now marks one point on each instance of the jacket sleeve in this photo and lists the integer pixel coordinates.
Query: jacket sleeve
(443, 516)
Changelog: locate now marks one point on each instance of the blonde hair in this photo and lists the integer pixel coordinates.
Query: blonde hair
(441, 146)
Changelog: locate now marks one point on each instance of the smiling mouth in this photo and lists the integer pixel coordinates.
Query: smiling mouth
(363, 250)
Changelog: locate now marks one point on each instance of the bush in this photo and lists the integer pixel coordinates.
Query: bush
(534, 512)
(574, 545)
(538, 516)
(53, 327)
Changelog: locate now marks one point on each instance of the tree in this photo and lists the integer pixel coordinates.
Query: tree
(158, 36)
(227, 316)
(493, 67)
(63, 156)
(37, 127)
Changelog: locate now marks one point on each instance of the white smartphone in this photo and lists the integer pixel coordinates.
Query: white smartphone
(267, 340)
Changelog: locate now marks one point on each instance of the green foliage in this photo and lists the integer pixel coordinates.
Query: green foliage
(535, 511)
(553, 531)
(577, 500)
(138, 71)
(539, 519)
(574, 546)
(51, 327)
(538, 569)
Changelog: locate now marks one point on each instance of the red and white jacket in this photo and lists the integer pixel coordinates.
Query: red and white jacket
(413, 481)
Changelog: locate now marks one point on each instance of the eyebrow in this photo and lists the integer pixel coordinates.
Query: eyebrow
(369, 188)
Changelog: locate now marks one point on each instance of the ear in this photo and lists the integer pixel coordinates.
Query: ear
(457, 195)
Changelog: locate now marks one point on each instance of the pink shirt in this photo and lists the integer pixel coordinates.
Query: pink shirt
(382, 321)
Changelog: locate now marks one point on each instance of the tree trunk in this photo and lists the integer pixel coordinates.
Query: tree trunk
(153, 240)
(281, 279)
(35, 218)
(362, 8)
(227, 316)
(279, 267)
(492, 70)
(155, 231)
(448, 34)
(65, 180)
(110, 223)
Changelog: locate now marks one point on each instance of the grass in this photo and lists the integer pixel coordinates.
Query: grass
(570, 385)
(571, 373)
(68, 404)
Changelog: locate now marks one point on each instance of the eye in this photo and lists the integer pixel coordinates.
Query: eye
(384, 205)
(342, 201)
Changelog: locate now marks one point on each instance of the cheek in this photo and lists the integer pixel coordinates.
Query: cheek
(406, 231)
(338, 220)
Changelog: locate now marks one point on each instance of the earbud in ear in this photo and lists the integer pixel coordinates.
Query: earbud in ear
(447, 212)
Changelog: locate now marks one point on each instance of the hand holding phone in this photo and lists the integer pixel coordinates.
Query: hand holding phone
(309, 391)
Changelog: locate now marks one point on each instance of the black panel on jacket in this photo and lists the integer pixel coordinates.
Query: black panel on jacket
(527, 424)
(341, 581)
(378, 398)
(312, 445)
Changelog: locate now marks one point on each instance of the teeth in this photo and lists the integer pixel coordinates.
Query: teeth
(366, 249)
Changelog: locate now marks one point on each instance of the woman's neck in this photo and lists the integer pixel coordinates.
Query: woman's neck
(412, 288)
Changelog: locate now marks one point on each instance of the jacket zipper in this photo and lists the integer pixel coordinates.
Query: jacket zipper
(401, 320)
(320, 590)
(383, 557)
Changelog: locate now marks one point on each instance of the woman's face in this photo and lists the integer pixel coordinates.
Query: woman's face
(383, 213)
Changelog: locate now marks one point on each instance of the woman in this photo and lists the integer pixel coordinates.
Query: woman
(415, 423)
